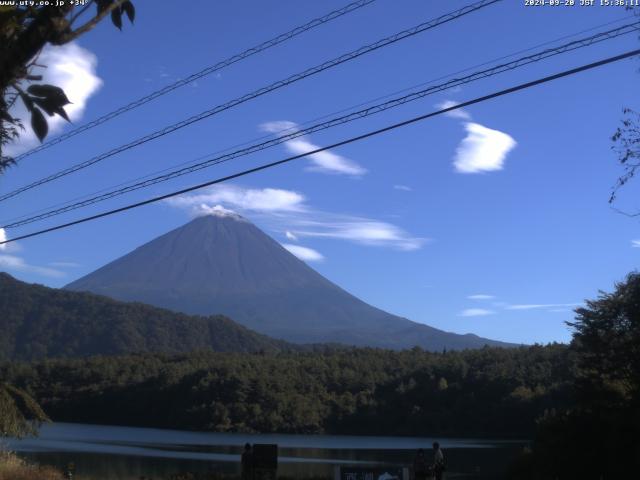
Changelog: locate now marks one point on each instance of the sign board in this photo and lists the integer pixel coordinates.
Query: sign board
(265, 456)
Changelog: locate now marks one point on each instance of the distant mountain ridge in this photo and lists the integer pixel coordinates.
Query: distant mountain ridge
(225, 264)
(40, 322)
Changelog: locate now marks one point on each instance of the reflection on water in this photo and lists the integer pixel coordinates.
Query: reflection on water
(124, 453)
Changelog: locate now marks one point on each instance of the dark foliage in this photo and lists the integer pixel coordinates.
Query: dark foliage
(38, 322)
(486, 392)
(20, 415)
(596, 436)
(24, 31)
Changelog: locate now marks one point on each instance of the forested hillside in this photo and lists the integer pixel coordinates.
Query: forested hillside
(491, 391)
(39, 322)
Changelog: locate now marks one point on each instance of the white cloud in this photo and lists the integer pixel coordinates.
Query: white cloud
(304, 253)
(216, 210)
(71, 68)
(635, 243)
(404, 188)
(361, 230)
(266, 199)
(287, 212)
(533, 306)
(11, 262)
(481, 296)
(476, 312)
(458, 113)
(482, 150)
(325, 162)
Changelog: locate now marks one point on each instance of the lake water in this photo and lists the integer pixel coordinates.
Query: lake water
(126, 453)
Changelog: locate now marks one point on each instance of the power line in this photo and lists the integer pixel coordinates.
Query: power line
(322, 117)
(388, 128)
(262, 91)
(378, 108)
(316, 119)
(316, 22)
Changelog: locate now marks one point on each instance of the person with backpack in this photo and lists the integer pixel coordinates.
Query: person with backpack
(246, 462)
(438, 462)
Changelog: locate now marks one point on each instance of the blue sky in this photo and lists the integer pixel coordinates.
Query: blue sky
(494, 221)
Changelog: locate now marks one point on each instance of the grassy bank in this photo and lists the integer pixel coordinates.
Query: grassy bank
(14, 468)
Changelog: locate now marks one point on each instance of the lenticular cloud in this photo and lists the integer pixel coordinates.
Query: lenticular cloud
(482, 150)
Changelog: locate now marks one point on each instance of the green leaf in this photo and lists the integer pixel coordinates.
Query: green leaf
(28, 103)
(39, 124)
(55, 94)
(116, 17)
(130, 10)
(61, 111)
(46, 105)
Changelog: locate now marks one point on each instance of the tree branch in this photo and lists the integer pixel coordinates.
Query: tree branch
(90, 25)
(82, 10)
(48, 24)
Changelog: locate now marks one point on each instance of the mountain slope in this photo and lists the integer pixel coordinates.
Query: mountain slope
(39, 322)
(225, 264)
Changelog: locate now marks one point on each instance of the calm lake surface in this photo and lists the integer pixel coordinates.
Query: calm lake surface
(126, 453)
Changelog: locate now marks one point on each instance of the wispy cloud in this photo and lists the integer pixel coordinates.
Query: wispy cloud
(482, 150)
(404, 188)
(533, 306)
(265, 199)
(359, 230)
(458, 113)
(325, 162)
(476, 312)
(304, 253)
(11, 262)
(500, 306)
(14, 263)
(635, 243)
(289, 213)
(71, 68)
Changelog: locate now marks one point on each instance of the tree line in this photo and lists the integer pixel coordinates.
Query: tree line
(486, 392)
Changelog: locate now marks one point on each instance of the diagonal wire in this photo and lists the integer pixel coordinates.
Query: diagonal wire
(381, 107)
(322, 117)
(316, 22)
(257, 93)
(507, 91)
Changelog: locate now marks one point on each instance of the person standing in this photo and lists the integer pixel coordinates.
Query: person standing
(438, 462)
(246, 462)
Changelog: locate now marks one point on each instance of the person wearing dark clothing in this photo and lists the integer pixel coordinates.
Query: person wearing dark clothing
(420, 468)
(246, 461)
(438, 462)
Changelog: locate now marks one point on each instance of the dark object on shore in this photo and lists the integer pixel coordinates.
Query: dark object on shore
(70, 470)
(265, 461)
(246, 462)
(420, 467)
(438, 462)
